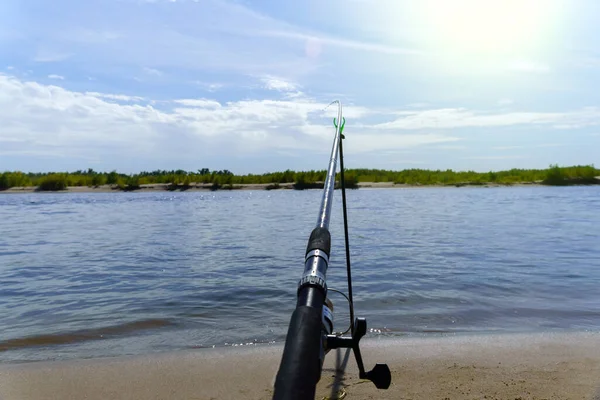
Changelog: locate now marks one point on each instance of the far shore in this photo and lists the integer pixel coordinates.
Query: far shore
(164, 187)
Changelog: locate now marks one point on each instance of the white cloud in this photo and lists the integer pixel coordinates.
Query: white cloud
(50, 120)
(200, 103)
(118, 97)
(209, 86)
(58, 77)
(10, 68)
(278, 84)
(461, 117)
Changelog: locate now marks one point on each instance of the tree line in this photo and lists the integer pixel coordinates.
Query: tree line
(555, 175)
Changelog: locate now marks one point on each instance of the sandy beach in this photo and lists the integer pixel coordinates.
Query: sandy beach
(538, 366)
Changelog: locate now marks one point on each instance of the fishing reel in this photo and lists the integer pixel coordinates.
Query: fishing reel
(380, 375)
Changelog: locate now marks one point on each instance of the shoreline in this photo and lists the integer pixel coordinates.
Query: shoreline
(504, 366)
(163, 187)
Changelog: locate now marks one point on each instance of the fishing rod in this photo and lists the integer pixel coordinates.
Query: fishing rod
(310, 333)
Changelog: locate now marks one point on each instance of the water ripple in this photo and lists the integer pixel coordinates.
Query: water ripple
(222, 268)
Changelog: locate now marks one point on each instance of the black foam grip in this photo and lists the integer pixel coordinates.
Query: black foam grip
(300, 367)
(320, 239)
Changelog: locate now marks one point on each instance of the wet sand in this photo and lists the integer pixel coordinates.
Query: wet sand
(540, 366)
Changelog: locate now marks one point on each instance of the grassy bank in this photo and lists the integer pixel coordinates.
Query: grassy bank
(219, 180)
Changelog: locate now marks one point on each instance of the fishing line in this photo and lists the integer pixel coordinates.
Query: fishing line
(344, 209)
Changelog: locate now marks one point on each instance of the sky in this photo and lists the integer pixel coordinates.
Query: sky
(244, 85)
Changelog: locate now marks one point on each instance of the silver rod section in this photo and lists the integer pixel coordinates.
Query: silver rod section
(324, 214)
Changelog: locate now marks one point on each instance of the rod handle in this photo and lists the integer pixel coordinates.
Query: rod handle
(300, 368)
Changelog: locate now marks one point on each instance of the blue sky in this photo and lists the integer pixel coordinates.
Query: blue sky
(166, 84)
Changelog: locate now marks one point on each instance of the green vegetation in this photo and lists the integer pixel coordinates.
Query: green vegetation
(131, 183)
(224, 179)
(309, 180)
(555, 175)
(578, 175)
(350, 179)
(53, 182)
(14, 179)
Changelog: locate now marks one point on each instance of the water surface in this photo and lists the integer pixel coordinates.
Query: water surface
(104, 274)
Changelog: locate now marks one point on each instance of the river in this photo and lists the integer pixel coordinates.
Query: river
(106, 274)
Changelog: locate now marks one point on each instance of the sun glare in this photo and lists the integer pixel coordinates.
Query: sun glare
(485, 26)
